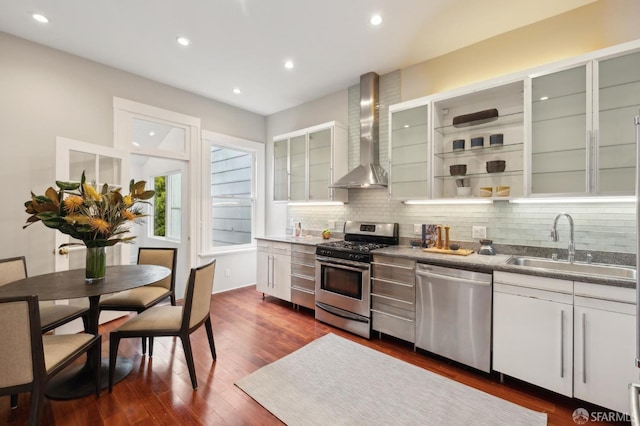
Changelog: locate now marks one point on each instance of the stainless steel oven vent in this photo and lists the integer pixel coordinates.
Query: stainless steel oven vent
(369, 174)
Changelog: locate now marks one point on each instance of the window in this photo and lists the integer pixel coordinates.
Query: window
(232, 214)
(231, 196)
(167, 206)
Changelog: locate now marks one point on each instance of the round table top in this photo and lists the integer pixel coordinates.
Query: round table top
(71, 284)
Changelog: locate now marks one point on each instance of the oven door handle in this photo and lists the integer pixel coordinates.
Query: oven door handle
(329, 262)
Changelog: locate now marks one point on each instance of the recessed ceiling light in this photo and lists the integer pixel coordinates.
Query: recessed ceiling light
(376, 20)
(152, 133)
(134, 143)
(288, 65)
(544, 98)
(40, 18)
(183, 41)
(236, 90)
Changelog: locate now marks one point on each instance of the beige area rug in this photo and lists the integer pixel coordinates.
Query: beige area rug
(334, 381)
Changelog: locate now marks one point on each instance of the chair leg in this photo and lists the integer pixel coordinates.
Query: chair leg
(14, 401)
(150, 346)
(96, 354)
(188, 354)
(173, 300)
(114, 342)
(144, 345)
(212, 345)
(37, 403)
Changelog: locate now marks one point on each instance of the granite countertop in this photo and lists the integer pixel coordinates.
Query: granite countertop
(498, 262)
(475, 262)
(309, 240)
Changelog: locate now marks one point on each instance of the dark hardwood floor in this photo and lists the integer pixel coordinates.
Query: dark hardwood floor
(249, 333)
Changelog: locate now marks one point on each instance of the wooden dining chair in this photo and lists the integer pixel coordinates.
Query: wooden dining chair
(141, 298)
(28, 359)
(178, 321)
(51, 316)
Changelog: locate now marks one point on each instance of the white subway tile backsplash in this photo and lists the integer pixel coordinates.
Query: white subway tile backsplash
(598, 227)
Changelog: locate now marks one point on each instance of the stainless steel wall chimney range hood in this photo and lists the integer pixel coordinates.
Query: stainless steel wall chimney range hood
(369, 174)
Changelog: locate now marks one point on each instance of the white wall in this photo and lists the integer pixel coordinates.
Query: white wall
(47, 93)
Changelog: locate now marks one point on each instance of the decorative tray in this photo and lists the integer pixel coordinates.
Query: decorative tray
(459, 252)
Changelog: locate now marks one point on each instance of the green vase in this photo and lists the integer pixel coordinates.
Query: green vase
(96, 266)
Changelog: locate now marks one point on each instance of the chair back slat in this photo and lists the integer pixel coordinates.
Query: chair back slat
(160, 256)
(12, 269)
(19, 352)
(198, 296)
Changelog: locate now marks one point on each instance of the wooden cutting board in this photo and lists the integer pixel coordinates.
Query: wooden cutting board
(459, 252)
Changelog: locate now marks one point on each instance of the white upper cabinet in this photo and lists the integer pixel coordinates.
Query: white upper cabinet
(582, 130)
(486, 146)
(307, 162)
(409, 151)
(618, 104)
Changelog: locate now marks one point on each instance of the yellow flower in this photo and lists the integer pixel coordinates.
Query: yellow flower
(129, 215)
(128, 200)
(98, 224)
(91, 192)
(72, 203)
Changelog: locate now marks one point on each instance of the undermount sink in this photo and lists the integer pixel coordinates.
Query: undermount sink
(576, 267)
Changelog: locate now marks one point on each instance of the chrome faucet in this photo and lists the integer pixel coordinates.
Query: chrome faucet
(554, 235)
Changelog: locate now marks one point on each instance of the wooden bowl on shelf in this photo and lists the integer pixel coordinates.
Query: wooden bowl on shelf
(496, 166)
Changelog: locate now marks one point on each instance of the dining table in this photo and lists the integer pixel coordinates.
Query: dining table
(77, 381)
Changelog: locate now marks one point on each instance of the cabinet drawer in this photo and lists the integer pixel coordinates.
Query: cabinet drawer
(403, 308)
(281, 248)
(394, 261)
(303, 258)
(394, 272)
(303, 298)
(302, 248)
(305, 270)
(298, 281)
(397, 327)
(393, 289)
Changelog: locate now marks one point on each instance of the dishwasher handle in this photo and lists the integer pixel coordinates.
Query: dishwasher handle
(426, 273)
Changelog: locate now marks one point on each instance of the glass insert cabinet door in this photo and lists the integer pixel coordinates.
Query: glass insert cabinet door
(280, 170)
(618, 104)
(559, 123)
(297, 168)
(319, 164)
(409, 153)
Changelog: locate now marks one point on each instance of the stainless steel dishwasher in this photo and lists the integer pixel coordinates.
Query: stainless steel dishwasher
(453, 314)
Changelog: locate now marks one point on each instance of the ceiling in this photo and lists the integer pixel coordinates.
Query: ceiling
(244, 43)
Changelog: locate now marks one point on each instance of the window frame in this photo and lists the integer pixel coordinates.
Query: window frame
(167, 213)
(257, 150)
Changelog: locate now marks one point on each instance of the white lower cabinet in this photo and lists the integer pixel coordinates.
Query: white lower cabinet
(604, 339)
(533, 330)
(274, 269)
(574, 338)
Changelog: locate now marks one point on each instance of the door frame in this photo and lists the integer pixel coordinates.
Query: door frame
(125, 111)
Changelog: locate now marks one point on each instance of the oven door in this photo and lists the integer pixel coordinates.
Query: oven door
(343, 284)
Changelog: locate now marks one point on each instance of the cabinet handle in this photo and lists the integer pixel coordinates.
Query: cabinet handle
(393, 282)
(584, 347)
(561, 343)
(391, 315)
(273, 267)
(268, 269)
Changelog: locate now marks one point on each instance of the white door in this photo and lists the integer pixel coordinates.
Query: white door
(101, 165)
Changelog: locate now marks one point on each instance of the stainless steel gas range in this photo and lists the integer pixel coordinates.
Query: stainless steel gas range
(343, 275)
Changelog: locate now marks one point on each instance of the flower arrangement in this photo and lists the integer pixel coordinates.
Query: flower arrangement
(97, 218)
